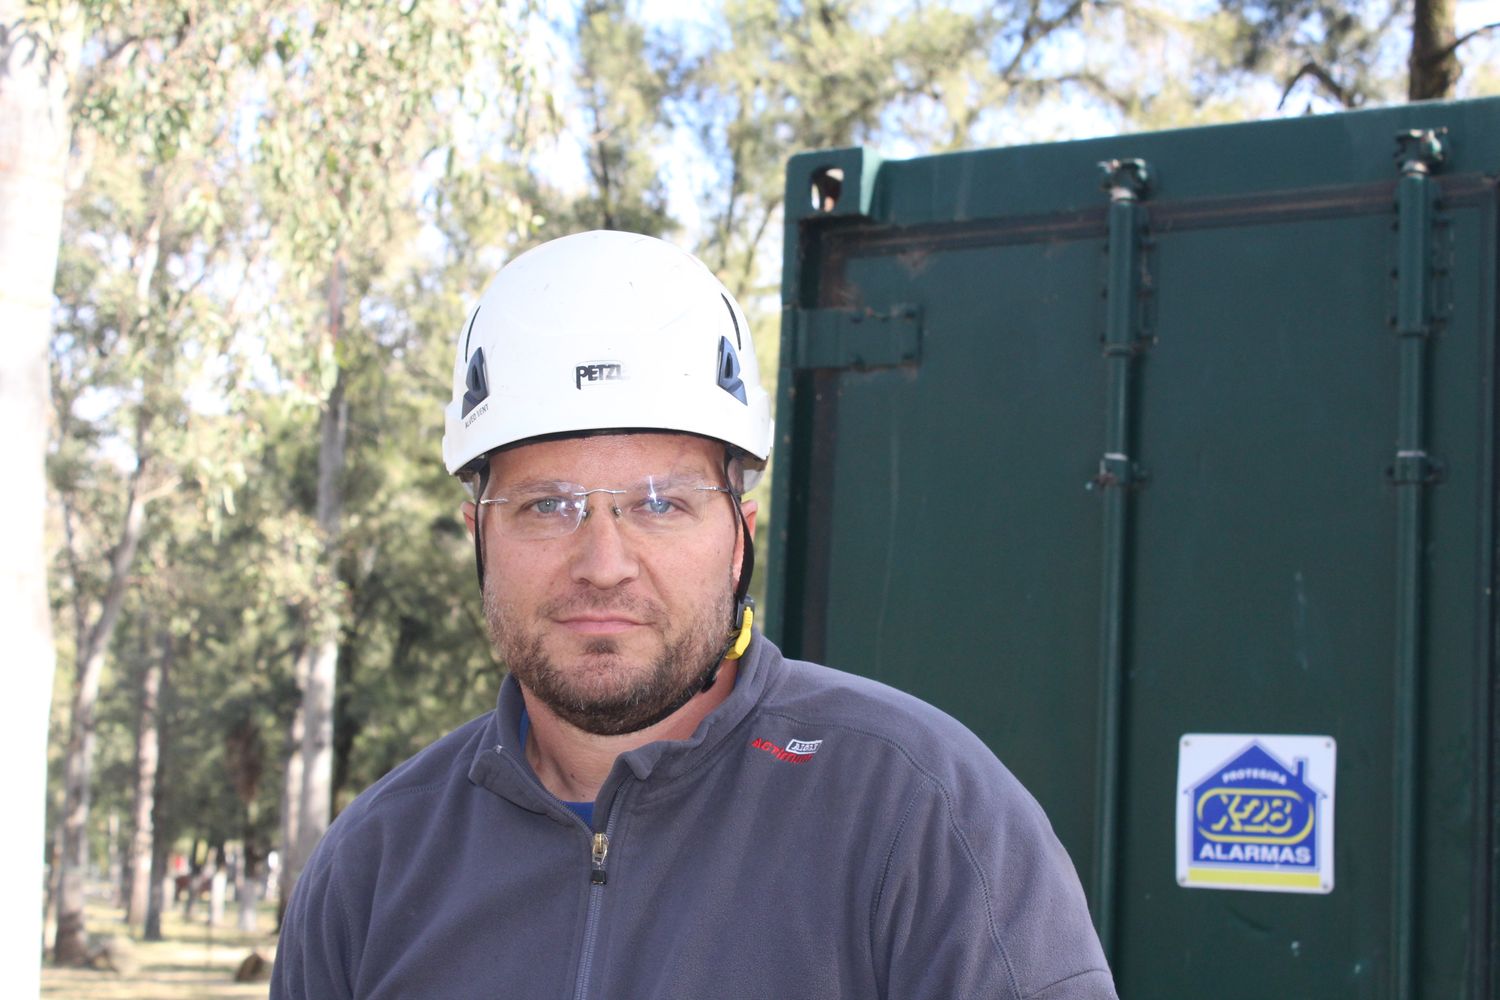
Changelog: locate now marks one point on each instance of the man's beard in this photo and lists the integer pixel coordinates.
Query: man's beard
(575, 696)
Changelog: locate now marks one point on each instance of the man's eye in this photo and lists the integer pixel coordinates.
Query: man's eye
(657, 505)
(545, 505)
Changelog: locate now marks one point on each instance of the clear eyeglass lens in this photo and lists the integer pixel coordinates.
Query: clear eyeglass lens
(658, 505)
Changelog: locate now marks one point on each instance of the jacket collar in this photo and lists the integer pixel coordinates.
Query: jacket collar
(500, 766)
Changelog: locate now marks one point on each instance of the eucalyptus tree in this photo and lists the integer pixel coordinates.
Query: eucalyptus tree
(358, 97)
(1253, 58)
(37, 61)
(623, 81)
(208, 615)
(779, 78)
(139, 326)
(414, 661)
(157, 361)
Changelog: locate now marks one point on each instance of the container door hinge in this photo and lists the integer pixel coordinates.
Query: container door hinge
(857, 338)
(1127, 287)
(1416, 468)
(1420, 154)
(1116, 470)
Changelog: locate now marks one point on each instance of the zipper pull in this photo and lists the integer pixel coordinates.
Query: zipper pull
(600, 852)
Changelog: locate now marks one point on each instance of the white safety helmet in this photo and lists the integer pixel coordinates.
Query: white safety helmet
(605, 330)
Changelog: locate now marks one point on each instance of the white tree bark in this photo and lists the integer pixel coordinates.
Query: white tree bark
(147, 757)
(291, 799)
(317, 747)
(311, 760)
(249, 897)
(34, 74)
(321, 672)
(157, 877)
(218, 889)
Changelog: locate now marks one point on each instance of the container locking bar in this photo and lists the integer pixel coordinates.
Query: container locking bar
(857, 338)
(1419, 155)
(1128, 183)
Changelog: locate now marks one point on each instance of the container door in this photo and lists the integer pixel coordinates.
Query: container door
(1102, 446)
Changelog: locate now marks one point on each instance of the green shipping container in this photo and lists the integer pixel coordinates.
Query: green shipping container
(1167, 463)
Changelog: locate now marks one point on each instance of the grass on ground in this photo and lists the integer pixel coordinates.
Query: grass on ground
(193, 962)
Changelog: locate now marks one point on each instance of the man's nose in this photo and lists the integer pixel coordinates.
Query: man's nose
(602, 552)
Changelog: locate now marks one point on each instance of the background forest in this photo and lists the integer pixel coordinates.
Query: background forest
(269, 218)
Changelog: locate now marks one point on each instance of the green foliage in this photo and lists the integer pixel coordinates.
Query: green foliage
(231, 158)
(413, 659)
(275, 199)
(622, 87)
(1348, 54)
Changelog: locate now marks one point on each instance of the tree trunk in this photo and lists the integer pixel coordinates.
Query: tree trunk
(194, 880)
(291, 797)
(249, 887)
(114, 867)
(245, 758)
(1433, 66)
(318, 670)
(34, 78)
(218, 888)
(147, 760)
(161, 826)
(156, 899)
(318, 695)
(70, 946)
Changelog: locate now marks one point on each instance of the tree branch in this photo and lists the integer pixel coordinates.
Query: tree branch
(747, 273)
(132, 520)
(1467, 36)
(1037, 29)
(114, 50)
(75, 569)
(1320, 74)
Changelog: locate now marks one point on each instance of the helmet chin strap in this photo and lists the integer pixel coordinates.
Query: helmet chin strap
(744, 604)
(484, 479)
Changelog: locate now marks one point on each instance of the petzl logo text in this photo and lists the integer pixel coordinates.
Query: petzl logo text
(597, 371)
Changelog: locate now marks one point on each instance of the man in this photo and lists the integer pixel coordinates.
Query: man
(660, 805)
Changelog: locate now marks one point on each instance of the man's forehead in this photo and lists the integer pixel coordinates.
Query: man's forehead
(579, 457)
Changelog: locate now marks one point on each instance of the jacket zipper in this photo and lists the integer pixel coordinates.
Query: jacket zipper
(601, 851)
(598, 876)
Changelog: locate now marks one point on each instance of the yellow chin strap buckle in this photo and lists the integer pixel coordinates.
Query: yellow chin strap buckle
(742, 640)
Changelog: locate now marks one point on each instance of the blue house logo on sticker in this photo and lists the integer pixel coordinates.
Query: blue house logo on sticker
(1256, 822)
(1255, 811)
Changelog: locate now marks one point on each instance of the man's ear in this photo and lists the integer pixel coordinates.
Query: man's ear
(469, 509)
(749, 508)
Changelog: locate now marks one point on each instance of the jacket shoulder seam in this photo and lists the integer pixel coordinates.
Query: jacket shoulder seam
(885, 874)
(984, 886)
(335, 885)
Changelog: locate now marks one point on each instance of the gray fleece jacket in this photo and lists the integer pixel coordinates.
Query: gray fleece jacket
(819, 836)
